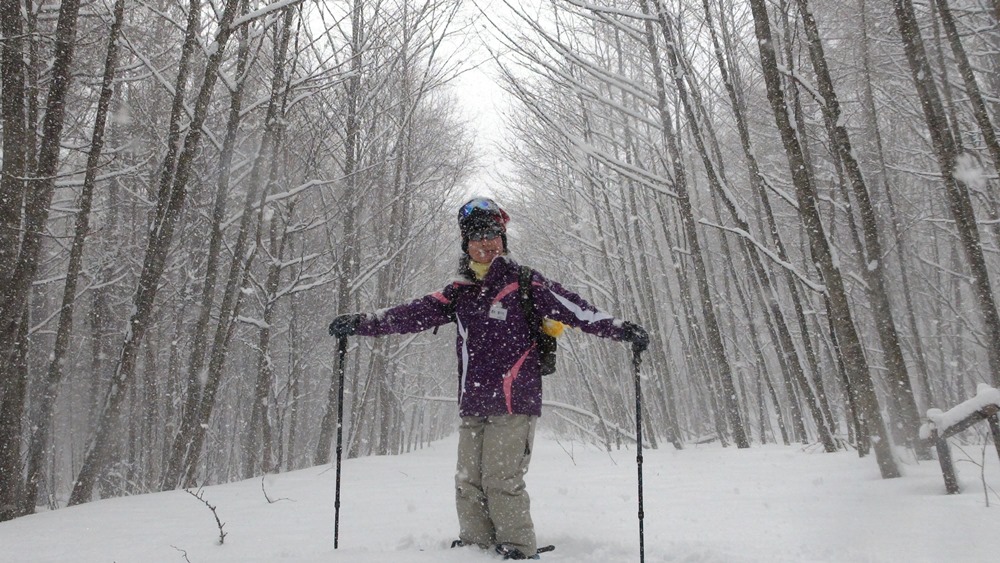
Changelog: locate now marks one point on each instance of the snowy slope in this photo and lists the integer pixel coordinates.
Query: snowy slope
(703, 504)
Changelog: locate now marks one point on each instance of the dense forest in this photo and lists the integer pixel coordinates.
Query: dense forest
(799, 200)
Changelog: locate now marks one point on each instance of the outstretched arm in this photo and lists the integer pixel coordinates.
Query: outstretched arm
(420, 314)
(554, 301)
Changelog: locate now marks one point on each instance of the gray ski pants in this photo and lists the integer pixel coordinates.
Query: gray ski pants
(493, 505)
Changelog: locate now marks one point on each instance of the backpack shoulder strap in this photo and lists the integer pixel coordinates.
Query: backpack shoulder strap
(450, 310)
(546, 344)
(527, 297)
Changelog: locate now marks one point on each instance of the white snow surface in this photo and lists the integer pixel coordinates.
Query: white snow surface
(704, 504)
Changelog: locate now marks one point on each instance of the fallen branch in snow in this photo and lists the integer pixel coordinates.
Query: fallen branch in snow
(183, 553)
(263, 490)
(199, 496)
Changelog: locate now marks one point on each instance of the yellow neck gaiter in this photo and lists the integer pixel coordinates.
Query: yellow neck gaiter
(478, 269)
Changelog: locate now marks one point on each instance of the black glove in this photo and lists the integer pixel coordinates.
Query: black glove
(636, 335)
(345, 325)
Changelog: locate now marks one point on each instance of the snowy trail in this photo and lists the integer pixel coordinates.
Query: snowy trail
(706, 504)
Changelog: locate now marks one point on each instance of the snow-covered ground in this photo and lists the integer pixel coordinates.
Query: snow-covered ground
(703, 504)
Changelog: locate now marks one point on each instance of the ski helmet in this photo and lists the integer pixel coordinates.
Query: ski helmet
(481, 218)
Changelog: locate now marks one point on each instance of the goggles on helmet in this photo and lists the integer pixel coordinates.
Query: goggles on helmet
(487, 205)
(486, 233)
(481, 206)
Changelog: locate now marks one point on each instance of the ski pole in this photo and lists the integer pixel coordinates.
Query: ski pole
(636, 362)
(341, 358)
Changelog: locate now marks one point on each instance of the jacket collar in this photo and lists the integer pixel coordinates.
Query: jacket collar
(500, 263)
(499, 268)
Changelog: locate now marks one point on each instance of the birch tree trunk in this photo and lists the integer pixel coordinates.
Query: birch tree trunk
(172, 193)
(957, 192)
(717, 351)
(819, 245)
(873, 271)
(17, 293)
(349, 258)
(39, 442)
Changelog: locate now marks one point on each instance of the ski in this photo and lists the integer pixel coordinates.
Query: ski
(501, 551)
(515, 554)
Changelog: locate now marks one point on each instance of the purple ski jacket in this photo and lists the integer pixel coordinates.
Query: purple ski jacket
(498, 370)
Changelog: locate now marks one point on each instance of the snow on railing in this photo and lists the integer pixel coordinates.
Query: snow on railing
(944, 420)
(942, 424)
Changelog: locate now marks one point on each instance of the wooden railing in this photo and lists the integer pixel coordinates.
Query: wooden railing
(943, 425)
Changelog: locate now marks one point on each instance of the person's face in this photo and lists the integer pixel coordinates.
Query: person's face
(486, 249)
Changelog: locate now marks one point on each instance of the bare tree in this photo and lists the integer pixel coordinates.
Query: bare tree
(874, 270)
(172, 192)
(716, 351)
(716, 180)
(972, 89)
(39, 442)
(349, 258)
(186, 449)
(13, 307)
(957, 192)
(841, 316)
(259, 423)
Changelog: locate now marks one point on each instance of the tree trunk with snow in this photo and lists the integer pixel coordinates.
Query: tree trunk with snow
(716, 350)
(17, 291)
(873, 270)
(200, 336)
(39, 441)
(972, 89)
(172, 193)
(713, 169)
(850, 342)
(186, 450)
(349, 256)
(956, 190)
(12, 193)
